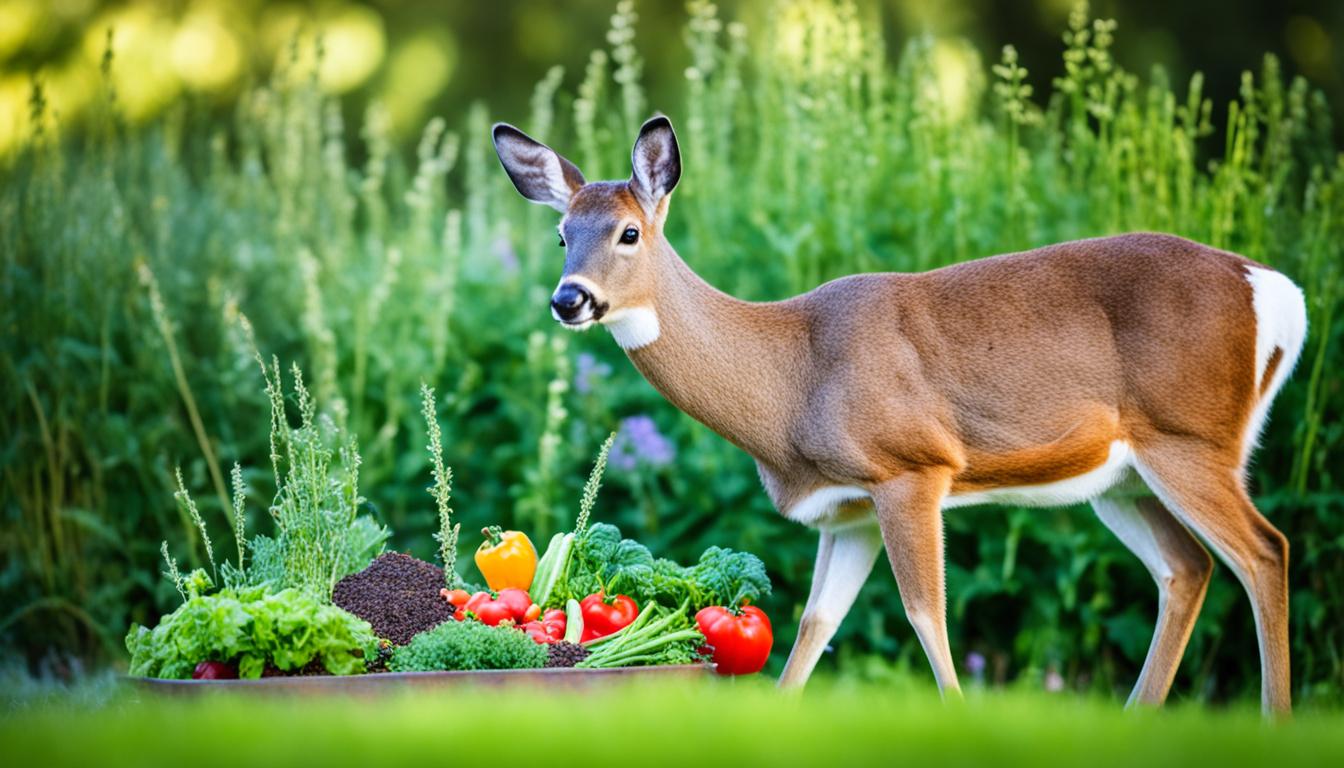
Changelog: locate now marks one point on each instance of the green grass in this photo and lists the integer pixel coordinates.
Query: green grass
(714, 722)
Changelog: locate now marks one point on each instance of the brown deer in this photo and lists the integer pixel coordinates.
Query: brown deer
(1134, 372)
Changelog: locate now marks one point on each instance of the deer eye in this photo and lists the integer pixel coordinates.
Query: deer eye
(629, 236)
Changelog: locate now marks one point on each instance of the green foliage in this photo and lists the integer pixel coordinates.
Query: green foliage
(130, 259)
(603, 561)
(441, 491)
(321, 537)
(462, 645)
(251, 628)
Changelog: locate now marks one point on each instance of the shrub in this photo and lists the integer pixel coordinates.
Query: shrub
(461, 645)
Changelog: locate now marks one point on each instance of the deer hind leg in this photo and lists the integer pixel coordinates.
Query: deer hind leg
(909, 511)
(1202, 485)
(845, 557)
(1181, 568)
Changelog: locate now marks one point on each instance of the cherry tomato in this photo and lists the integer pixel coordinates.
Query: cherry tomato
(540, 634)
(494, 613)
(518, 602)
(602, 615)
(741, 641)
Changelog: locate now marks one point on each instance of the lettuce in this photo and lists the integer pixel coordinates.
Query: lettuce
(251, 627)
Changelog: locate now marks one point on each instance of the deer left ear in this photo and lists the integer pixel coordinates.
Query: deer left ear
(657, 163)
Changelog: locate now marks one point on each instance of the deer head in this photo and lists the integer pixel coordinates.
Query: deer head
(612, 231)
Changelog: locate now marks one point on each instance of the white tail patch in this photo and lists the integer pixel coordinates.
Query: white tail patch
(1280, 323)
(633, 327)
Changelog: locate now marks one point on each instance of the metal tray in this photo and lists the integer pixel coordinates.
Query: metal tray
(382, 682)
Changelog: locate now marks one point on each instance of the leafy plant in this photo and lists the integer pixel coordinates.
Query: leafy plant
(252, 627)
(463, 645)
(321, 536)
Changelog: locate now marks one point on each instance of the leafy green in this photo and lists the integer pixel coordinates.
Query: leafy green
(457, 645)
(726, 577)
(250, 627)
(603, 561)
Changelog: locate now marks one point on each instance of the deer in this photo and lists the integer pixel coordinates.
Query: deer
(1134, 372)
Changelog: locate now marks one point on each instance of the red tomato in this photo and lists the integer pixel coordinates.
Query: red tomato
(476, 600)
(603, 616)
(493, 612)
(540, 634)
(518, 602)
(741, 641)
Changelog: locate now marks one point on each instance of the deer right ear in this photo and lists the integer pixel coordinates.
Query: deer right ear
(539, 172)
(657, 163)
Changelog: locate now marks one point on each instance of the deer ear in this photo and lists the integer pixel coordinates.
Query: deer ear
(539, 172)
(657, 163)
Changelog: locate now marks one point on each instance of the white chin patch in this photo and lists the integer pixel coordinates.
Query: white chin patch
(633, 328)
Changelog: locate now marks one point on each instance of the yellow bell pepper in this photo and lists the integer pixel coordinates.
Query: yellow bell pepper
(506, 559)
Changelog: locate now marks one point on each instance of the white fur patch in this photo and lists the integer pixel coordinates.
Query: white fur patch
(818, 509)
(814, 509)
(1122, 516)
(634, 327)
(1280, 322)
(1084, 487)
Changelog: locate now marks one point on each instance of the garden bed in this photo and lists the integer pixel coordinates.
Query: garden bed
(385, 682)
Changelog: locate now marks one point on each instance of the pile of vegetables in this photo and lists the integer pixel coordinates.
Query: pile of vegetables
(594, 599)
(625, 606)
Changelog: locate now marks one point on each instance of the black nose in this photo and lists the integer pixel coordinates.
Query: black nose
(568, 301)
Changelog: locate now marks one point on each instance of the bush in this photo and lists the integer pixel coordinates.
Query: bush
(462, 645)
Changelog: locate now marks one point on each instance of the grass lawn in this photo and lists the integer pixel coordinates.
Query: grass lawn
(711, 722)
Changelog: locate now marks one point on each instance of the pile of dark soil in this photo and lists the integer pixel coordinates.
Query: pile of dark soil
(397, 594)
(565, 654)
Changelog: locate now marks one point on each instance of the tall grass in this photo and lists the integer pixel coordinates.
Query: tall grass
(806, 157)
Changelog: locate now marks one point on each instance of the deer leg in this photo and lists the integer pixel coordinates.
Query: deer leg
(1203, 487)
(1181, 568)
(844, 559)
(909, 511)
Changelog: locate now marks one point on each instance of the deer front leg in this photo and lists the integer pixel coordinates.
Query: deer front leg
(844, 559)
(909, 512)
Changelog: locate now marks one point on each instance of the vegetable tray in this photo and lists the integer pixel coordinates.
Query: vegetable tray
(386, 682)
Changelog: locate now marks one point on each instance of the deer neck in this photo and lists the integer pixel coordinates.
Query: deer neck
(732, 365)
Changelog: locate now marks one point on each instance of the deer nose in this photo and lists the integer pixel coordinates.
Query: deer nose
(568, 301)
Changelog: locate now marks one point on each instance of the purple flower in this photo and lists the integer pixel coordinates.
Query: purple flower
(640, 442)
(587, 368)
(975, 664)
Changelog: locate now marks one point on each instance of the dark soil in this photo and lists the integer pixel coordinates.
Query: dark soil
(397, 594)
(565, 654)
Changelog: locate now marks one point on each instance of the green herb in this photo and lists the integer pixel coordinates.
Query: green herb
(461, 645)
(658, 635)
(251, 628)
(441, 490)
